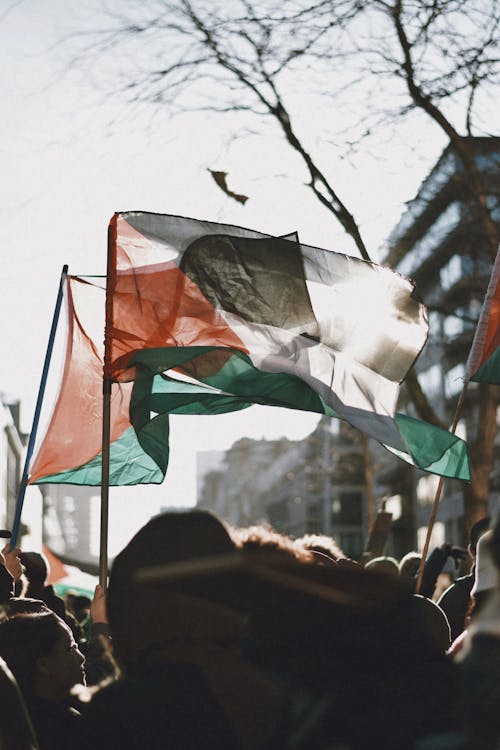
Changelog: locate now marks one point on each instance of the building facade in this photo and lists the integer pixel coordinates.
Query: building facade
(437, 243)
(316, 485)
(12, 452)
(71, 523)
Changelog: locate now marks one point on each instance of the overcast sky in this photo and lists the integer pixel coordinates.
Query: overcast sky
(70, 158)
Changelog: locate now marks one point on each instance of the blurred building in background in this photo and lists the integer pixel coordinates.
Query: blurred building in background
(12, 452)
(437, 243)
(308, 486)
(330, 482)
(71, 523)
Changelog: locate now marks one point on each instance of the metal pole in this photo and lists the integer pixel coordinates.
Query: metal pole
(36, 418)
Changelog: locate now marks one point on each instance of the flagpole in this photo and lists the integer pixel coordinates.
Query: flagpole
(437, 497)
(106, 412)
(38, 408)
(368, 468)
(106, 423)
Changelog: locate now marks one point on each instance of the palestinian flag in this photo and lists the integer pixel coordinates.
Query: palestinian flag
(70, 452)
(71, 449)
(263, 318)
(483, 364)
(205, 318)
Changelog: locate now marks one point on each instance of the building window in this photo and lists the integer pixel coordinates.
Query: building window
(313, 518)
(430, 380)
(279, 515)
(451, 272)
(347, 510)
(393, 506)
(434, 323)
(351, 543)
(453, 326)
(454, 380)
(463, 266)
(95, 525)
(493, 203)
(425, 247)
(68, 522)
(12, 480)
(68, 504)
(437, 536)
(427, 488)
(462, 320)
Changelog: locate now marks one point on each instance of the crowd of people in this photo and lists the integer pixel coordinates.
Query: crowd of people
(215, 637)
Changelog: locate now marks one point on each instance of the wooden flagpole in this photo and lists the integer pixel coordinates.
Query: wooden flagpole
(106, 416)
(437, 497)
(38, 408)
(106, 424)
(368, 467)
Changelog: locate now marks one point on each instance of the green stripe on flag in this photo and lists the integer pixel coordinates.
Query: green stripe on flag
(227, 382)
(229, 371)
(490, 371)
(129, 465)
(429, 448)
(435, 450)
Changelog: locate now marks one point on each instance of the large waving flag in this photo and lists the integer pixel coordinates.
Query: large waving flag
(262, 318)
(483, 364)
(245, 317)
(204, 318)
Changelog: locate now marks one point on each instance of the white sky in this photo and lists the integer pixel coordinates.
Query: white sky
(65, 170)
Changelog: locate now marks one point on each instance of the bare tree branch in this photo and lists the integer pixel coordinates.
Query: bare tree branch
(424, 102)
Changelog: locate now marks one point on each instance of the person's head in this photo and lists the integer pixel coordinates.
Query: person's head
(42, 654)
(433, 622)
(22, 605)
(144, 623)
(264, 538)
(386, 565)
(323, 544)
(409, 565)
(486, 574)
(476, 532)
(36, 568)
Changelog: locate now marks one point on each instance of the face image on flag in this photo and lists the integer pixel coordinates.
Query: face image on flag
(204, 318)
